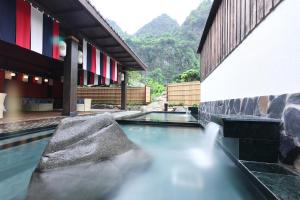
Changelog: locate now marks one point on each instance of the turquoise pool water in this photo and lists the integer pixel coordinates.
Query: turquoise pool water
(167, 117)
(16, 167)
(181, 168)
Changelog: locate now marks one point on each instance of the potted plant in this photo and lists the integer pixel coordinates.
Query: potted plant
(194, 109)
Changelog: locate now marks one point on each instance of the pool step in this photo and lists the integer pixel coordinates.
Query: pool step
(257, 138)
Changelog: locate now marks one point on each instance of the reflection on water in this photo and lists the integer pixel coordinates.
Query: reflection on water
(181, 178)
(167, 117)
(185, 166)
(201, 158)
(16, 167)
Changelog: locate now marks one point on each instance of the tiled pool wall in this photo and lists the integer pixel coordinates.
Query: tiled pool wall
(285, 107)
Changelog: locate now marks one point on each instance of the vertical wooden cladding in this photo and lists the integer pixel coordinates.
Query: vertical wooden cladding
(243, 19)
(233, 22)
(268, 6)
(260, 9)
(238, 22)
(276, 2)
(253, 13)
(247, 16)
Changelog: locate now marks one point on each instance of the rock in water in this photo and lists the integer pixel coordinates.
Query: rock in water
(86, 159)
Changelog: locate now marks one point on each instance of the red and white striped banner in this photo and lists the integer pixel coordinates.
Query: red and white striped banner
(100, 64)
(26, 26)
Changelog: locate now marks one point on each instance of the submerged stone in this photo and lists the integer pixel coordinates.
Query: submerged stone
(87, 158)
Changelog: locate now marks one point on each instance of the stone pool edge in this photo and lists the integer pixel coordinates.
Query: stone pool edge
(255, 181)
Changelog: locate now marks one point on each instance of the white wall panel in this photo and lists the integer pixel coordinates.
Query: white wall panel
(266, 63)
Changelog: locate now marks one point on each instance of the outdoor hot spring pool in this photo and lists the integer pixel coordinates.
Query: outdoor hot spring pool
(166, 117)
(184, 167)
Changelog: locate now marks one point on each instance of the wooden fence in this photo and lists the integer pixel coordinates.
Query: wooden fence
(112, 96)
(184, 93)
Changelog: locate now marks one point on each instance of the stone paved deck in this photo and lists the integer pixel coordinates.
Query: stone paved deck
(26, 121)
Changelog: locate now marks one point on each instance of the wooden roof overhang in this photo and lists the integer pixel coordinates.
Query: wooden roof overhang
(80, 19)
(211, 17)
(16, 58)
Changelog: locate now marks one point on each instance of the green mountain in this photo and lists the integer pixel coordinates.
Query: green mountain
(167, 48)
(117, 28)
(158, 26)
(194, 24)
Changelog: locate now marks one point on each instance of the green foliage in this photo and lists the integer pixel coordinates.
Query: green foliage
(193, 26)
(117, 28)
(155, 80)
(156, 75)
(188, 76)
(173, 51)
(169, 50)
(181, 104)
(170, 54)
(156, 88)
(135, 79)
(158, 26)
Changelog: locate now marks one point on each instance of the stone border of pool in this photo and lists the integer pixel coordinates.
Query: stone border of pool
(24, 137)
(133, 120)
(18, 129)
(159, 123)
(129, 119)
(9, 135)
(262, 187)
(266, 192)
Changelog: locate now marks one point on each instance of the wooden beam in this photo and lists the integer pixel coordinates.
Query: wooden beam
(124, 91)
(130, 63)
(67, 12)
(110, 46)
(126, 59)
(16, 58)
(70, 78)
(106, 26)
(123, 54)
(101, 37)
(82, 27)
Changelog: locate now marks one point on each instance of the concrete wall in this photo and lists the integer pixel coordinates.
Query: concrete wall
(266, 63)
(262, 78)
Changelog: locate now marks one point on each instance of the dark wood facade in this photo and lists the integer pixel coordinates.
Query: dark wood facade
(228, 24)
(78, 20)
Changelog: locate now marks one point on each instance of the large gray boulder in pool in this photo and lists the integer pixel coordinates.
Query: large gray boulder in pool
(86, 159)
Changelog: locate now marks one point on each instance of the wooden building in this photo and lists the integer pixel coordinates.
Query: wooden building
(250, 63)
(47, 48)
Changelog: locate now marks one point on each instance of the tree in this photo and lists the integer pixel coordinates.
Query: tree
(188, 76)
(135, 79)
(156, 75)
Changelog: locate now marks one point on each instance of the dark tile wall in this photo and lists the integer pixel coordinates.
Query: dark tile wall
(285, 107)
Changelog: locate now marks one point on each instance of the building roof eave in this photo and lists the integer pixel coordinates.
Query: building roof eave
(81, 19)
(212, 14)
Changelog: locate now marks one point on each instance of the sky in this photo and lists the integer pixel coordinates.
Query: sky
(131, 15)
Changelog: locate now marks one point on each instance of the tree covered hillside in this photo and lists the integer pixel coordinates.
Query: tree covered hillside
(169, 50)
(158, 26)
